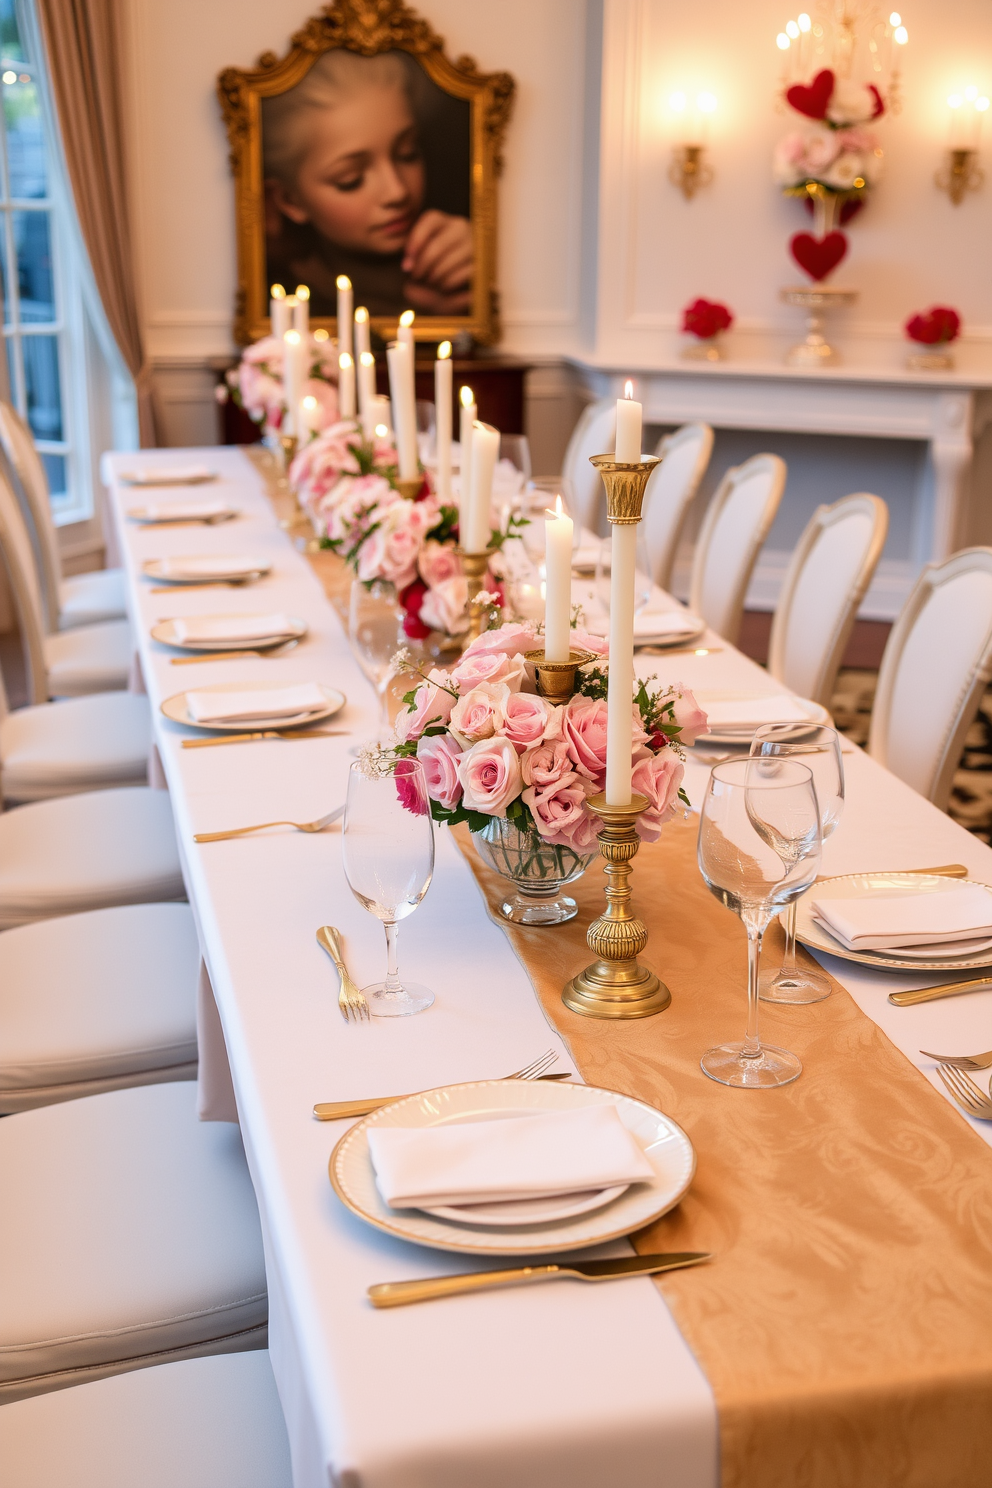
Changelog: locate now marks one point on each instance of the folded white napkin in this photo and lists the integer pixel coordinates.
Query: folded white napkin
(743, 713)
(184, 511)
(232, 628)
(245, 707)
(522, 1157)
(235, 565)
(885, 922)
(168, 475)
(651, 623)
(586, 556)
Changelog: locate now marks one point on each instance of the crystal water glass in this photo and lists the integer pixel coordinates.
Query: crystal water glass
(818, 747)
(759, 849)
(374, 621)
(388, 853)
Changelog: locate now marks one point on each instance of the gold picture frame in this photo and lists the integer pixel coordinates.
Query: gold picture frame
(368, 28)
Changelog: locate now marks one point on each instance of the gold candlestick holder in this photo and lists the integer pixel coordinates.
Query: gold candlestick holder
(474, 566)
(615, 985)
(556, 679)
(409, 488)
(625, 485)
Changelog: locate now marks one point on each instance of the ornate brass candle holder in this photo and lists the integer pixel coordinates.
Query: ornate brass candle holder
(474, 566)
(408, 488)
(556, 679)
(615, 985)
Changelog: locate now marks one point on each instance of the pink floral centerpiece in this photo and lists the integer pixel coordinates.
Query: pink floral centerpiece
(255, 384)
(520, 770)
(935, 328)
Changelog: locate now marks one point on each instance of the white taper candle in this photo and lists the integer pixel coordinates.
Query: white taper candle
(294, 375)
(477, 526)
(366, 389)
(346, 386)
(628, 444)
(399, 356)
(620, 693)
(363, 341)
(442, 420)
(346, 297)
(558, 584)
(301, 310)
(279, 312)
(404, 331)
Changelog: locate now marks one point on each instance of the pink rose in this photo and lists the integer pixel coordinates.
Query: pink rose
(511, 639)
(583, 728)
(490, 776)
(580, 833)
(443, 607)
(689, 715)
(546, 765)
(558, 807)
(530, 720)
(657, 776)
(391, 550)
(431, 704)
(480, 713)
(438, 561)
(584, 640)
(489, 666)
(439, 755)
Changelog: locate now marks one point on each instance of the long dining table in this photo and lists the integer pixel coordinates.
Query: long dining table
(537, 1386)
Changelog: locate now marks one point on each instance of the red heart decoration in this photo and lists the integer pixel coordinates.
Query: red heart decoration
(818, 256)
(813, 101)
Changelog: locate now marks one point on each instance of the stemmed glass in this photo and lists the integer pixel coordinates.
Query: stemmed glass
(819, 749)
(388, 851)
(374, 620)
(759, 849)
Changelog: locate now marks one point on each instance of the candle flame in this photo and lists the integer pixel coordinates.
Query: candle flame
(628, 389)
(310, 402)
(302, 292)
(343, 282)
(361, 313)
(293, 337)
(467, 397)
(344, 360)
(277, 292)
(381, 430)
(367, 359)
(559, 510)
(407, 318)
(444, 351)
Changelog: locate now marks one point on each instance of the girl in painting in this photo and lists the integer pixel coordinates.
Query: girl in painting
(346, 188)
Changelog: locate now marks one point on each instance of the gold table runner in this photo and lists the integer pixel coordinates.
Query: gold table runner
(845, 1322)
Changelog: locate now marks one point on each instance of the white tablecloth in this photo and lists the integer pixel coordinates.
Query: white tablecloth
(560, 1384)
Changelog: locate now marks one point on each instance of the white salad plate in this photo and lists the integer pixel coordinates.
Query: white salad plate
(156, 516)
(165, 631)
(883, 885)
(528, 1211)
(167, 571)
(176, 708)
(193, 475)
(663, 1142)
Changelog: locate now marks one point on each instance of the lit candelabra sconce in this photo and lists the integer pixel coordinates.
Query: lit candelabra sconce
(690, 169)
(961, 172)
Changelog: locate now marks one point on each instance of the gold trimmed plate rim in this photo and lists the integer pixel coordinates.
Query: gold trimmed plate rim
(152, 569)
(161, 632)
(174, 708)
(817, 939)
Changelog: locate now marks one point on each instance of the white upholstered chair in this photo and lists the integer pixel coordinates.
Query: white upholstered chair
(95, 1002)
(937, 664)
(130, 1237)
(737, 521)
(91, 658)
(594, 434)
(85, 599)
(85, 852)
(202, 1423)
(826, 580)
(685, 455)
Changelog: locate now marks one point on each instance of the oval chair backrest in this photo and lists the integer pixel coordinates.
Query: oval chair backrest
(19, 561)
(828, 574)
(18, 445)
(736, 524)
(594, 434)
(936, 666)
(684, 458)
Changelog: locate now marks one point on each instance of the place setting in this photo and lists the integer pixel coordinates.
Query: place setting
(186, 514)
(255, 709)
(207, 571)
(229, 637)
(167, 475)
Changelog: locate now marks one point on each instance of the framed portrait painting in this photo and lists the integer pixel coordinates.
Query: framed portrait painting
(366, 151)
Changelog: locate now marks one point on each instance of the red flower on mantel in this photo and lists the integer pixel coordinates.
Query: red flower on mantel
(706, 318)
(936, 327)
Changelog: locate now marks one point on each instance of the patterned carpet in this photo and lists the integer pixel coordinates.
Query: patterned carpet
(971, 798)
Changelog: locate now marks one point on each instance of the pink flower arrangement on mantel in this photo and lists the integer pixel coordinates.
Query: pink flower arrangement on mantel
(490, 746)
(256, 383)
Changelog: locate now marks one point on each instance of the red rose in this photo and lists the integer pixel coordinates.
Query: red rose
(938, 326)
(411, 599)
(704, 318)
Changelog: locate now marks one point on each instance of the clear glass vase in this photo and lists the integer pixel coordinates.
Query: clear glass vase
(537, 871)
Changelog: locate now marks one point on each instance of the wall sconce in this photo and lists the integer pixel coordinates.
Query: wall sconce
(689, 169)
(961, 172)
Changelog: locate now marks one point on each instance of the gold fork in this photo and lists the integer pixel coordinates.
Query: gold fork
(314, 826)
(966, 1092)
(350, 1000)
(962, 1061)
(344, 1110)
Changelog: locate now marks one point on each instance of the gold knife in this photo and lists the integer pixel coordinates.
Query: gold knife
(345, 1110)
(398, 1293)
(265, 734)
(678, 650)
(945, 989)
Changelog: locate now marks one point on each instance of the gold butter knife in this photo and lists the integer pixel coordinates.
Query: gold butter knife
(945, 989)
(346, 1110)
(265, 734)
(398, 1293)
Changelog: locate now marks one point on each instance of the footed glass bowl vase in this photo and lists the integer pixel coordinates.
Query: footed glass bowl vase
(536, 871)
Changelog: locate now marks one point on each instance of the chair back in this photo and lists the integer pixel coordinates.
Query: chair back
(18, 445)
(936, 665)
(828, 574)
(736, 524)
(684, 458)
(19, 561)
(594, 434)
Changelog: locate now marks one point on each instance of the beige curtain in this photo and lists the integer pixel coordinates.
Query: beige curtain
(83, 44)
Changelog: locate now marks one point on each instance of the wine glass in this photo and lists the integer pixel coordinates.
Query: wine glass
(759, 849)
(388, 852)
(374, 620)
(819, 749)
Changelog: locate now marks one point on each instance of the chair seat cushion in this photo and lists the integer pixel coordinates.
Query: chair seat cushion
(203, 1423)
(92, 658)
(79, 744)
(94, 1001)
(88, 598)
(130, 1234)
(87, 852)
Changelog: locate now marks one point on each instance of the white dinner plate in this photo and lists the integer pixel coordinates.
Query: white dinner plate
(162, 517)
(851, 885)
(157, 568)
(165, 631)
(663, 1142)
(175, 708)
(528, 1211)
(667, 638)
(743, 734)
(193, 475)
